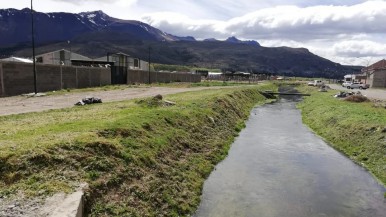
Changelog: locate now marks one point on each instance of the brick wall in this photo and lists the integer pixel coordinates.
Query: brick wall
(17, 78)
(134, 76)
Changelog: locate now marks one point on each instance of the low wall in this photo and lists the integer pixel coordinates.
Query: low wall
(136, 76)
(18, 78)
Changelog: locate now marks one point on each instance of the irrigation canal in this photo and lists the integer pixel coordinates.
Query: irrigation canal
(278, 167)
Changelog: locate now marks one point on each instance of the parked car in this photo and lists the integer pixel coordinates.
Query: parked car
(359, 85)
(346, 83)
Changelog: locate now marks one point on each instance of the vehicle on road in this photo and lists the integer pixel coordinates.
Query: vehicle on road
(358, 85)
(346, 83)
(316, 83)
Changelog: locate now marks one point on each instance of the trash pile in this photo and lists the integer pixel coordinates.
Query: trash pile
(88, 100)
(343, 94)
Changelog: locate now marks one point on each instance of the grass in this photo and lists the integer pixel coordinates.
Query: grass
(139, 158)
(356, 129)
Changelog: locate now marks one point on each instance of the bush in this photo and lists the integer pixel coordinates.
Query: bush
(357, 98)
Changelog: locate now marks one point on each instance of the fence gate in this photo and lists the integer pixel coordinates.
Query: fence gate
(118, 75)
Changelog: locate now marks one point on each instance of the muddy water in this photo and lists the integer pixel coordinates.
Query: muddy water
(277, 167)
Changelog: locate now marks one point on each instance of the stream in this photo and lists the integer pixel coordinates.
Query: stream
(277, 167)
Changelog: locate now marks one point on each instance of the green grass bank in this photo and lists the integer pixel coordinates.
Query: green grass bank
(139, 157)
(356, 129)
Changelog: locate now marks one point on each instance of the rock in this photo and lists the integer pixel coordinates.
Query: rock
(211, 119)
(158, 96)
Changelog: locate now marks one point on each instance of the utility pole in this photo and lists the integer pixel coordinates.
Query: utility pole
(149, 64)
(33, 49)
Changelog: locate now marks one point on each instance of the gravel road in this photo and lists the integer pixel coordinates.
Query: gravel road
(25, 104)
(370, 93)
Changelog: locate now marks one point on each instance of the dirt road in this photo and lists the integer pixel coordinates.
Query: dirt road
(24, 104)
(371, 93)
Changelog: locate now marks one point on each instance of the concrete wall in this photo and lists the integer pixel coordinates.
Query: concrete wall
(378, 78)
(136, 76)
(2, 90)
(17, 78)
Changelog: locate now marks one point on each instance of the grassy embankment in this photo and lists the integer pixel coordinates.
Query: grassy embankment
(139, 158)
(356, 129)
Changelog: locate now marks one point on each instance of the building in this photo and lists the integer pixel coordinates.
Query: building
(60, 57)
(376, 74)
(124, 60)
(355, 78)
(16, 59)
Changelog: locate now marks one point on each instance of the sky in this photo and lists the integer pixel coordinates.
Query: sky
(344, 31)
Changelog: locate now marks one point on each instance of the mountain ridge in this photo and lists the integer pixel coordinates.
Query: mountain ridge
(95, 33)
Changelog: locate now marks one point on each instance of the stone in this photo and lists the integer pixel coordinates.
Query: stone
(158, 96)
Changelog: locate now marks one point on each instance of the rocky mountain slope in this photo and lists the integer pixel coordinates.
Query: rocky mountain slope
(95, 33)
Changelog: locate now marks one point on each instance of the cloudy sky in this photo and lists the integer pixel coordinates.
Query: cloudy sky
(345, 31)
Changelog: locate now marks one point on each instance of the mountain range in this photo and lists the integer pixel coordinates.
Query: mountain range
(95, 34)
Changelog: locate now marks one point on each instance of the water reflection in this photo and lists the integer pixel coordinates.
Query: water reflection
(277, 167)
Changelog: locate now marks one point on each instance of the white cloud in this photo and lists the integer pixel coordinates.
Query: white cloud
(286, 22)
(334, 32)
(334, 29)
(360, 48)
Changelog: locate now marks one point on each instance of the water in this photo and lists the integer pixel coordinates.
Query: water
(278, 168)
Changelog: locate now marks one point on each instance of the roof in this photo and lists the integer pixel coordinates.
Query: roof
(378, 65)
(119, 53)
(17, 59)
(110, 55)
(74, 56)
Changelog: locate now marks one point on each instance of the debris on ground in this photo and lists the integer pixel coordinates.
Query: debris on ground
(168, 103)
(379, 103)
(324, 88)
(357, 98)
(156, 101)
(89, 100)
(34, 94)
(343, 94)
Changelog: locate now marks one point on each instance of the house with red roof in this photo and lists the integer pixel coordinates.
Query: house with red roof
(376, 74)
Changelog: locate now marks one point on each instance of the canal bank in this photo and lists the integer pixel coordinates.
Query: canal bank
(278, 167)
(356, 129)
(144, 157)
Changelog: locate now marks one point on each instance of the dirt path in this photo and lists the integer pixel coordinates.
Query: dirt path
(24, 104)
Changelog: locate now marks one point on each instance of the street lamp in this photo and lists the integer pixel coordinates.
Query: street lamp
(33, 49)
